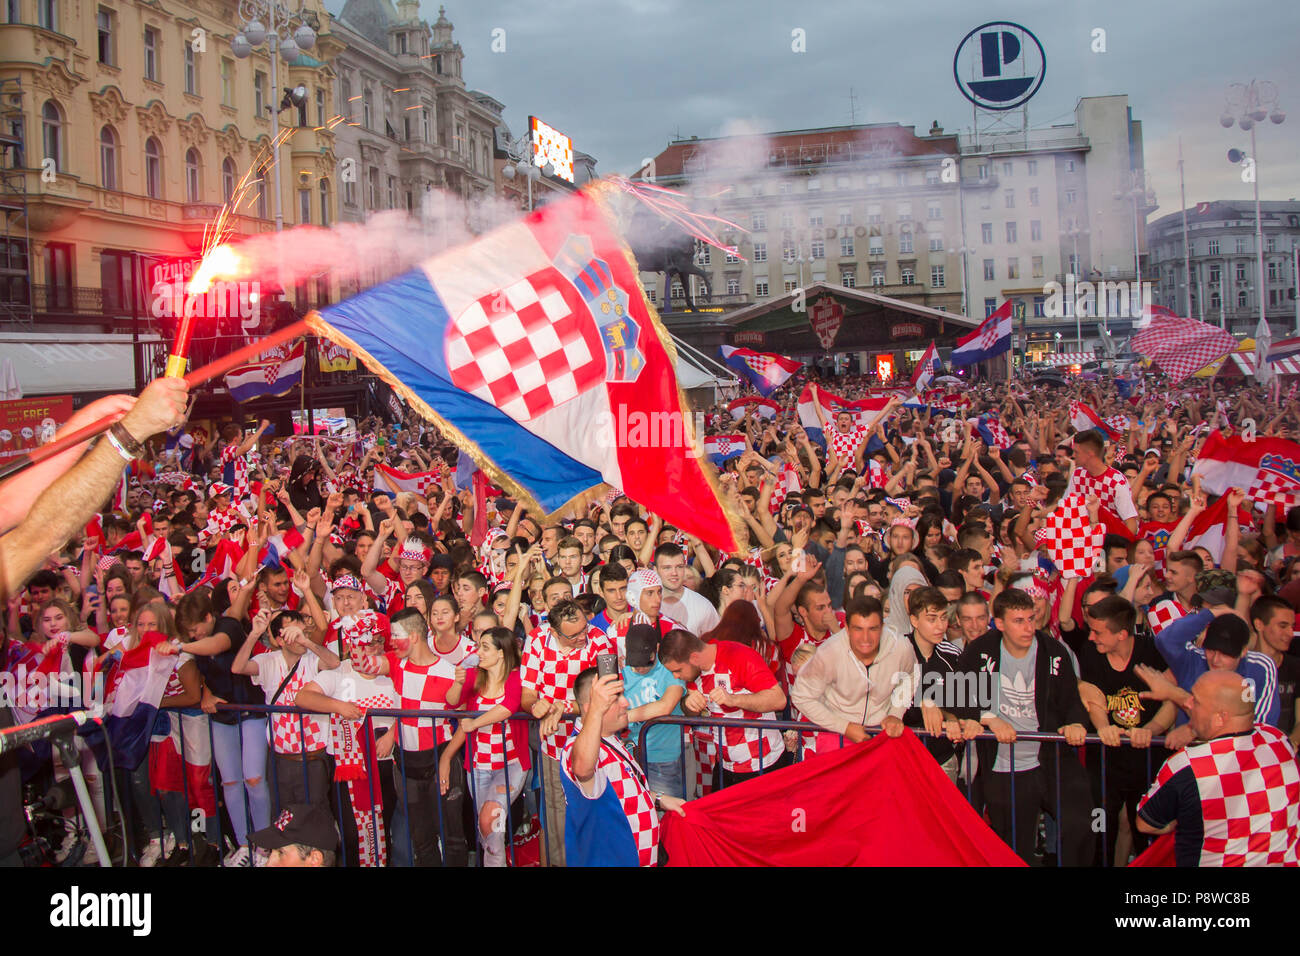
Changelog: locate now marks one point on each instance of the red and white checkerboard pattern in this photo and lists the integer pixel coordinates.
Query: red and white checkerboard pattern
(1181, 346)
(705, 747)
(494, 745)
(1274, 488)
(1249, 786)
(527, 348)
(787, 483)
(742, 749)
(1110, 486)
(1164, 613)
(241, 467)
(629, 785)
(551, 673)
(422, 687)
(845, 444)
(221, 522)
(296, 733)
(1071, 539)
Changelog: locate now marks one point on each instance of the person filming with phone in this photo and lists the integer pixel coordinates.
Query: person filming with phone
(613, 815)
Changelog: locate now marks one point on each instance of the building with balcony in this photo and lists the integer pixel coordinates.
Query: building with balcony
(867, 206)
(409, 124)
(127, 127)
(1225, 287)
(1040, 205)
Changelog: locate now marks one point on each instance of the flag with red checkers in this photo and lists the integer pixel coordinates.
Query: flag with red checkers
(1070, 538)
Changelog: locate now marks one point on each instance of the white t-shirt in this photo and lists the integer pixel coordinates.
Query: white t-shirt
(693, 611)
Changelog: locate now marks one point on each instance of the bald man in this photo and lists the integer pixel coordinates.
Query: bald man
(1233, 800)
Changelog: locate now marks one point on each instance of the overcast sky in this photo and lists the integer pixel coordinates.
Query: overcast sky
(623, 77)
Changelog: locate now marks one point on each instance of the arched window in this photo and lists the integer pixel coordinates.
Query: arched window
(52, 133)
(228, 179)
(324, 202)
(153, 168)
(108, 158)
(192, 193)
(262, 173)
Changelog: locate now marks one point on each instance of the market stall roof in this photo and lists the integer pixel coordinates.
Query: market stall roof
(1069, 358)
(868, 320)
(1245, 364)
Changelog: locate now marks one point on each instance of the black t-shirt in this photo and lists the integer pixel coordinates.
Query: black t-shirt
(233, 688)
(1124, 707)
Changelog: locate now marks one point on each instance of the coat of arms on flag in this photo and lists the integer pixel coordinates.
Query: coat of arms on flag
(1278, 480)
(535, 351)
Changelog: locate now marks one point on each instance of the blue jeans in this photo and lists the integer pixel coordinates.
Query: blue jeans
(240, 750)
(667, 778)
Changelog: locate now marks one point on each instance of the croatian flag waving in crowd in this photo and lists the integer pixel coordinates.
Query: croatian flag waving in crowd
(1084, 418)
(1267, 469)
(276, 372)
(832, 405)
(534, 350)
(394, 482)
(763, 407)
(765, 371)
(993, 337)
(925, 370)
(723, 448)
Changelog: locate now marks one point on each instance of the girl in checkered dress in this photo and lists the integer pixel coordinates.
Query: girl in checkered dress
(497, 755)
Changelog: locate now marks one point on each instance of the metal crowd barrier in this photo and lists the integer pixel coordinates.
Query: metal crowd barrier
(538, 777)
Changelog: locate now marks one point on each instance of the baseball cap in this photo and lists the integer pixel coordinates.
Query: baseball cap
(642, 645)
(307, 824)
(1227, 634)
(345, 581)
(1216, 587)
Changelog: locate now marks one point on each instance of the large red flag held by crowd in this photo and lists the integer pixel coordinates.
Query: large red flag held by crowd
(881, 803)
(1181, 346)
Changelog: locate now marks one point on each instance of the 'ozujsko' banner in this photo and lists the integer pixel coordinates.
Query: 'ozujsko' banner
(28, 422)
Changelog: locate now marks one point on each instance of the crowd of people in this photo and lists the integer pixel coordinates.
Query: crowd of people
(892, 574)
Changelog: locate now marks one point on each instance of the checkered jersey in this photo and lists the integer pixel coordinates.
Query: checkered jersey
(1070, 538)
(494, 745)
(1110, 486)
(357, 631)
(739, 670)
(291, 733)
(240, 484)
(527, 348)
(616, 768)
(845, 444)
(422, 687)
(1164, 612)
(1249, 789)
(550, 672)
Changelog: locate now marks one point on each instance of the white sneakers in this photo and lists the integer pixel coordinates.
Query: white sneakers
(156, 850)
(237, 857)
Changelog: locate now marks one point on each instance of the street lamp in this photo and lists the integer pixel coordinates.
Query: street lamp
(518, 150)
(262, 20)
(1074, 232)
(1133, 187)
(1248, 105)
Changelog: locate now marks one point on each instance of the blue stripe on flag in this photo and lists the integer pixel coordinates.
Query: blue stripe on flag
(402, 324)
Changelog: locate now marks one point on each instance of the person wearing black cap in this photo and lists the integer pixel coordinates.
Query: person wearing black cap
(303, 835)
(652, 691)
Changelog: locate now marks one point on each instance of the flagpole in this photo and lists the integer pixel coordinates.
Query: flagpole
(193, 380)
(1187, 249)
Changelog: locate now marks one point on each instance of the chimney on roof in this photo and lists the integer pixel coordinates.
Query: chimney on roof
(936, 129)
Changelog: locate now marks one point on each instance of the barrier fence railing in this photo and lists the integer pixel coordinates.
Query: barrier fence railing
(380, 822)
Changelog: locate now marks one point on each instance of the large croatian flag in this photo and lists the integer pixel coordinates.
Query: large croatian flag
(276, 372)
(393, 482)
(765, 371)
(925, 370)
(134, 692)
(534, 350)
(993, 337)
